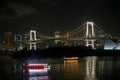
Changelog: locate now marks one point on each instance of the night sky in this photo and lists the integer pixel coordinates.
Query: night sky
(47, 16)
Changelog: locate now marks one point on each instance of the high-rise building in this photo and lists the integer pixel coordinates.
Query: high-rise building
(18, 38)
(7, 37)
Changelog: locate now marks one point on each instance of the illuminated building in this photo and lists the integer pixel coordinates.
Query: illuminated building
(26, 36)
(18, 38)
(110, 45)
(8, 37)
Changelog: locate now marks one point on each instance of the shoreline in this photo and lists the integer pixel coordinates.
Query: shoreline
(55, 52)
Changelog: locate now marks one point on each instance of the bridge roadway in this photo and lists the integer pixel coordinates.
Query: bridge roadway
(43, 39)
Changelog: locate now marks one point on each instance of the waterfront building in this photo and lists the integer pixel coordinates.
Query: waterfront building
(7, 37)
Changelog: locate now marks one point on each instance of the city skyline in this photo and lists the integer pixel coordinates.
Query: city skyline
(48, 16)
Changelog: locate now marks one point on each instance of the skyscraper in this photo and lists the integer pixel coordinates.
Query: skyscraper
(7, 37)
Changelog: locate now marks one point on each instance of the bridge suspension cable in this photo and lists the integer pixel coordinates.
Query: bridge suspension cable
(78, 28)
(100, 30)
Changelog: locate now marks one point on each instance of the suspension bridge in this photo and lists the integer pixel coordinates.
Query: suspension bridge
(88, 34)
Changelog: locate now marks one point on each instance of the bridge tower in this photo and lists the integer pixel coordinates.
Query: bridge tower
(90, 34)
(32, 39)
(57, 35)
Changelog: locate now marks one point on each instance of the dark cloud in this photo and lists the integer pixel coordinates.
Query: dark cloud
(12, 10)
(20, 10)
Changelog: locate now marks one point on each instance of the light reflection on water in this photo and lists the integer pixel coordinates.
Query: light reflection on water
(85, 68)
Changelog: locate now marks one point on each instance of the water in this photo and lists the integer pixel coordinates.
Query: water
(85, 68)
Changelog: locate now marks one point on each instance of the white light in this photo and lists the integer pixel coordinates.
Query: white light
(89, 35)
(37, 70)
(39, 78)
(32, 35)
(37, 64)
(32, 38)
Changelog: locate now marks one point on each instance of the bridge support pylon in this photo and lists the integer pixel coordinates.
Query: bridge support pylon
(90, 34)
(32, 39)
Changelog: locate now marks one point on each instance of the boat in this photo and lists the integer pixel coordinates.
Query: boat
(71, 58)
(37, 66)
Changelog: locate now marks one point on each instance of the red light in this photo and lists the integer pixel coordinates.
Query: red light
(36, 66)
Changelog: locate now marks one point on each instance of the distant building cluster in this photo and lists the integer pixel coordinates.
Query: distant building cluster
(18, 41)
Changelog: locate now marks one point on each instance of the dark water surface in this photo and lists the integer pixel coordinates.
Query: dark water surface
(85, 68)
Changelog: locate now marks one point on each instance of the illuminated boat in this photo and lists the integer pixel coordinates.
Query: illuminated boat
(37, 66)
(71, 58)
(37, 71)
